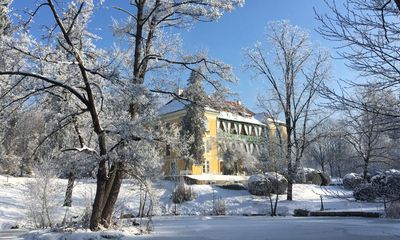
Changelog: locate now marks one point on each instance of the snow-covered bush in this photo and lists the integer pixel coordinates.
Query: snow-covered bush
(365, 192)
(313, 177)
(41, 198)
(387, 184)
(182, 193)
(265, 184)
(352, 180)
(219, 207)
(326, 179)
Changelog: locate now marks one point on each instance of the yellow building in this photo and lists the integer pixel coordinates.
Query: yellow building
(231, 122)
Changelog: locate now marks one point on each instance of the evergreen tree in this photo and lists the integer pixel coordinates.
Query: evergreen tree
(193, 123)
(4, 19)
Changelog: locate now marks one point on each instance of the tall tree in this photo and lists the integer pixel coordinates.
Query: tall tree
(193, 123)
(108, 88)
(367, 33)
(369, 132)
(295, 74)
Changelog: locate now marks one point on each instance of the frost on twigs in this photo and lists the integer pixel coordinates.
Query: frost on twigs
(42, 198)
(182, 192)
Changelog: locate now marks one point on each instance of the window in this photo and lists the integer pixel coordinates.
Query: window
(206, 166)
(168, 150)
(172, 167)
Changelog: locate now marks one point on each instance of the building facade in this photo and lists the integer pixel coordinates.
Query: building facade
(229, 126)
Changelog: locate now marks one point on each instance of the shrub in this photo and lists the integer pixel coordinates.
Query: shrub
(219, 207)
(265, 184)
(313, 177)
(365, 192)
(352, 181)
(387, 184)
(301, 213)
(41, 198)
(233, 186)
(182, 193)
(326, 179)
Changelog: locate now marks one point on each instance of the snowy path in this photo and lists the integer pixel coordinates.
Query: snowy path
(266, 228)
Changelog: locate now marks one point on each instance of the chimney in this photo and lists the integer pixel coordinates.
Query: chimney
(179, 91)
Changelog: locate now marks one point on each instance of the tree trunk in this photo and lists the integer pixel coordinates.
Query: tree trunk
(113, 195)
(289, 195)
(100, 196)
(70, 187)
(365, 171)
(109, 184)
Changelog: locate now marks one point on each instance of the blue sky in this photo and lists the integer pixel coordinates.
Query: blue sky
(226, 38)
(243, 27)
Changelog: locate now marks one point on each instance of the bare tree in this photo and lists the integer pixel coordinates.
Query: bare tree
(294, 74)
(367, 33)
(369, 132)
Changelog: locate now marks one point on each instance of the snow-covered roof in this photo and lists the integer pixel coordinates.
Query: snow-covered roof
(173, 106)
(238, 118)
(262, 116)
(246, 116)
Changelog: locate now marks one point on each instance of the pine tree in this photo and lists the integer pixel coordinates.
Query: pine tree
(193, 123)
(4, 19)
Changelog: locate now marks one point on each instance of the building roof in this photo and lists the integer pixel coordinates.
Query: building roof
(264, 117)
(173, 105)
(236, 107)
(233, 111)
(239, 118)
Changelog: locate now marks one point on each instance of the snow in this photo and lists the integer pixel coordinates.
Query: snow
(351, 176)
(238, 118)
(240, 228)
(13, 210)
(213, 177)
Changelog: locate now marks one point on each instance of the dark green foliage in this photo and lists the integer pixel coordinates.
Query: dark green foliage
(352, 180)
(313, 177)
(233, 186)
(365, 192)
(193, 122)
(4, 18)
(301, 213)
(326, 179)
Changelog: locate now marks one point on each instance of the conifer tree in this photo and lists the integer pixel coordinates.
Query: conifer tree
(193, 124)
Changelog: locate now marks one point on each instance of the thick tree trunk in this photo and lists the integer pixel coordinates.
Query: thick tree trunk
(109, 184)
(100, 196)
(113, 195)
(70, 187)
(289, 195)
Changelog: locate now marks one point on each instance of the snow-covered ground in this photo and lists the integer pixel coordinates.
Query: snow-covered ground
(278, 228)
(13, 198)
(241, 228)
